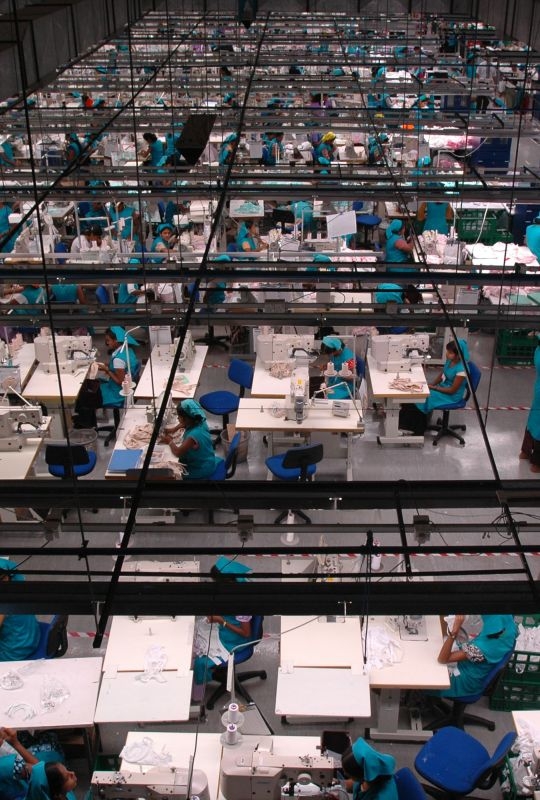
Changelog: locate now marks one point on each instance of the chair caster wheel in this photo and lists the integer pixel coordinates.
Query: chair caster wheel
(379, 441)
(435, 443)
(264, 675)
(491, 726)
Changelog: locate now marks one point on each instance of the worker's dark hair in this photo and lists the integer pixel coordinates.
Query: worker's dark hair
(149, 137)
(96, 230)
(452, 346)
(222, 577)
(350, 765)
(55, 779)
(412, 294)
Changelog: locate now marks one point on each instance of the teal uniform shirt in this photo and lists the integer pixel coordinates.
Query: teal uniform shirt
(199, 463)
(13, 781)
(5, 211)
(340, 392)
(19, 633)
(377, 769)
(533, 420)
(203, 665)
(438, 399)
(156, 154)
(65, 293)
(532, 238)
(38, 788)
(110, 390)
(436, 217)
(393, 254)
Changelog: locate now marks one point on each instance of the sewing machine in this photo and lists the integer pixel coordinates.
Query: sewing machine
(73, 352)
(12, 418)
(188, 352)
(256, 772)
(296, 407)
(398, 352)
(281, 346)
(158, 782)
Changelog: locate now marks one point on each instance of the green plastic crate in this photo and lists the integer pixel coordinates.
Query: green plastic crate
(509, 789)
(519, 686)
(527, 620)
(471, 226)
(515, 347)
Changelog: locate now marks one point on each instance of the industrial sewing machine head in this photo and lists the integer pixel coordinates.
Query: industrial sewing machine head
(18, 423)
(158, 782)
(398, 352)
(188, 352)
(73, 352)
(255, 771)
(272, 347)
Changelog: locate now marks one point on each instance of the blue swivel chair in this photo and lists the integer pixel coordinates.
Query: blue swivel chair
(442, 426)
(455, 763)
(69, 461)
(408, 785)
(241, 655)
(102, 295)
(53, 641)
(366, 222)
(225, 469)
(297, 464)
(223, 403)
(456, 714)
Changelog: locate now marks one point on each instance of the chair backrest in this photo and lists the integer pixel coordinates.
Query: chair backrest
(243, 653)
(408, 785)
(360, 367)
(67, 456)
(488, 774)
(303, 457)
(232, 456)
(53, 641)
(241, 372)
(102, 295)
(475, 374)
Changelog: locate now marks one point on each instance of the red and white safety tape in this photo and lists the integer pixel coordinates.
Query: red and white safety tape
(484, 554)
(498, 408)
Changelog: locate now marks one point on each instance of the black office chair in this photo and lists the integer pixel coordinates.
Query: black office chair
(53, 641)
(297, 464)
(241, 655)
(442, 426)
(456, 714)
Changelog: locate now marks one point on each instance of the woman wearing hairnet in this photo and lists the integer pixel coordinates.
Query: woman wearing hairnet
(476, 657)
(196, 450)
(339, 355)
(398, 248)
(372, 772)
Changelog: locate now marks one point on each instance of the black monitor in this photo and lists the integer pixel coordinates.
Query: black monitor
(194, 136)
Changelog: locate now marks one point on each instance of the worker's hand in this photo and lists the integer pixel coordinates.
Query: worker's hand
(165, 439)
(8, 735)
(101, 365)
(458, 622)
(214, 618)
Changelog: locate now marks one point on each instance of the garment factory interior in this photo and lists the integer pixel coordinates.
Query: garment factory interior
(390, 112)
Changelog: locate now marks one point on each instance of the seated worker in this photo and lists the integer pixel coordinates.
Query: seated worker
(476, 657)
(248, 238)
(51, 782)
(372, 773)
(153, 153)
(111, 378)
(377, 146)
(196, 450)
(273, 148)
(398, 249)
(532, 237)
(226, 149)
(82, 243)
(216, 288)
(339, 355)
(16, 768)
(166, 234)
(19, 633)
(436, 216)
(448, 387)
(391, 292)
(325, 152)
(215, 636)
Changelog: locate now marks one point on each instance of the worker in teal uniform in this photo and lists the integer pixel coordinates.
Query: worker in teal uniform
(226, 149)
(339, 355)
(372, 773)
(436, 216)
(153, 155)
(166, 235)
(398, 248)
(248, 239)
(530, 448)
(325, 152)
(196, 450)
(19, 633)
(532, 237)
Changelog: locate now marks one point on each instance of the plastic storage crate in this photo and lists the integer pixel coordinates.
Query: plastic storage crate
(471, 226)
(515, 347)
(507, 781)
(519, 686)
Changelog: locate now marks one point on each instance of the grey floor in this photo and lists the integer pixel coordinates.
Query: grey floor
(500, 388)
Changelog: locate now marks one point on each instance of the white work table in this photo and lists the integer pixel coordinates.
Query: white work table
(130, 639)
(25, 359)
(158, 368)
(418, 669)
(321, 670)
(132, 417)
(51, 389)
(530, 718)
(393, 398)
(265, 385)
(79, 676)
(15, 465)
(256, 415)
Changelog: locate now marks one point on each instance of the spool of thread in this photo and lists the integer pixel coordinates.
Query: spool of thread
(126, 385)
(233, 713)
(231, 734)
(376, 556)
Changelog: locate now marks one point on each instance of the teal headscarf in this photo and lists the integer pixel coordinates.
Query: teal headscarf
(121, 335)
(192, 409)
(165, 226)
(372, 763)
(464, 349)
(495, 623)
(38, 788)
(394, 227)
(10, 567)
(230, 567)
(332, 342)
(321, 258)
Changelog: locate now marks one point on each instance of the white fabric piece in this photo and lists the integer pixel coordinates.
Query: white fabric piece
(142, 752)
(206, 641)
(528, 738)
(382, 649)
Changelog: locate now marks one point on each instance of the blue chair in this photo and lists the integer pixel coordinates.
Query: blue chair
(297, 464)
(456, 763)
(224, 403)
(225, 469)
(69, 461)
(456, 715)
(442, 426)
(366, 222)
(53, 642)
(408, 785)
(241, 655)
(102, 295)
